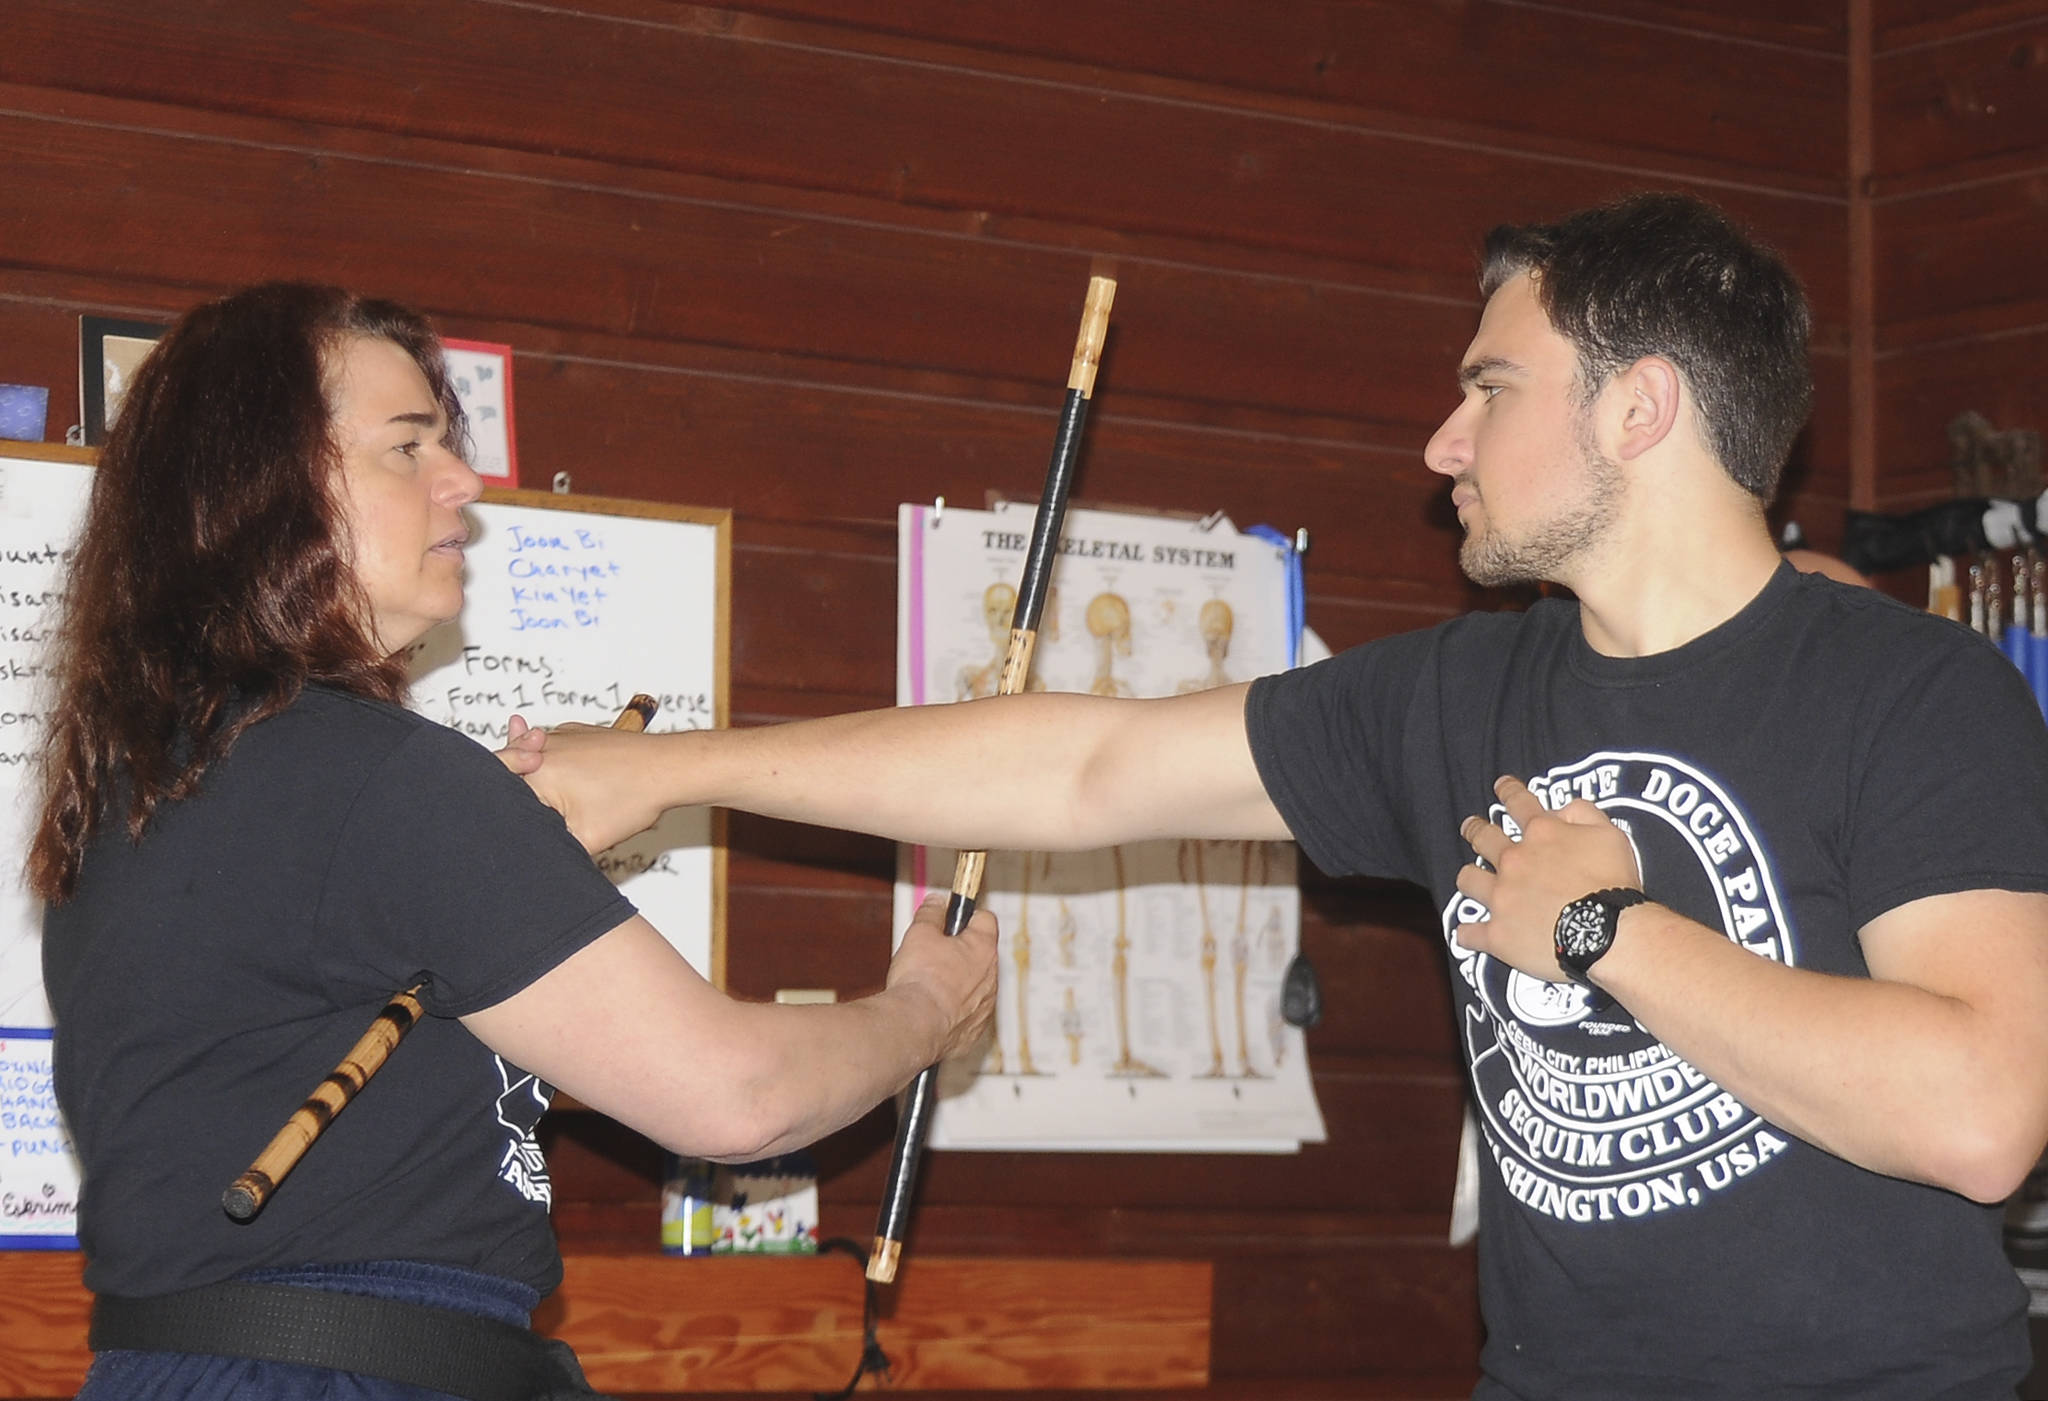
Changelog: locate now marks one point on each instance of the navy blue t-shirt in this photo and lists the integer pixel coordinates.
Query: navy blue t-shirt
(205, 979)
(1824, 756)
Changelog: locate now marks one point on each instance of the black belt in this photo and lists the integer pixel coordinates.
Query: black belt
(479, 1359)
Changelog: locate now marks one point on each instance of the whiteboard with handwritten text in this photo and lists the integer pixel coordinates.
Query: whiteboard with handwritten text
(572, 605)
(42, 500)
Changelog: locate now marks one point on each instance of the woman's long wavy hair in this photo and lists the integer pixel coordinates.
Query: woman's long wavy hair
(212, 580)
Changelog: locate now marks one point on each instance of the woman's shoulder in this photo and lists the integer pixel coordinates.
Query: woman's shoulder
(363, 732)
(338, 716)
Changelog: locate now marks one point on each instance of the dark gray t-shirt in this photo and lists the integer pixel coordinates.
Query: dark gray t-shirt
(1823, 757)
(205, 980)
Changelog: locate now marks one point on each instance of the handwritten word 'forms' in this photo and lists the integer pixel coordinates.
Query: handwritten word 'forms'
(477, 662)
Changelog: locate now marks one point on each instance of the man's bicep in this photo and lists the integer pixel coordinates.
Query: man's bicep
(1988, 946)
(1987, 950)
(1182, 767)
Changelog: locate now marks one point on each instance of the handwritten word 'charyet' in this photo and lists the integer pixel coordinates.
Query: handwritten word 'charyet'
(520, 567)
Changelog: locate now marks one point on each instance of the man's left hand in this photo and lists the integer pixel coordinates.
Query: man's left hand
(1560, 857)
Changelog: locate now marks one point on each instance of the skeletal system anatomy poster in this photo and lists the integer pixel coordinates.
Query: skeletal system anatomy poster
(1140, 997)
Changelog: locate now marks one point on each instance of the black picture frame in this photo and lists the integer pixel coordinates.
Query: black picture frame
(109, 349)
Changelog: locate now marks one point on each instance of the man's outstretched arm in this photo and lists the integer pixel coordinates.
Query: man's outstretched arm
(1035, 772)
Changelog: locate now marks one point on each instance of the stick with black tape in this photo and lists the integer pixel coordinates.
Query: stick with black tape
(913, 1125)
(247, 1194)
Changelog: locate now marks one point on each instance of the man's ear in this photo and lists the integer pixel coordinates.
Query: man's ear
(1643, 406)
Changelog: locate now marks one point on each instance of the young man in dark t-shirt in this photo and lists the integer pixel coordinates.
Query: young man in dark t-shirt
(1743, 874)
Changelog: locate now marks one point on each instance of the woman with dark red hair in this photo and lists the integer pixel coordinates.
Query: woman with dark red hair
(246, 843)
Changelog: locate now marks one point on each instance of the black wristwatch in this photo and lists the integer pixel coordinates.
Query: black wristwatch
(1585, 930)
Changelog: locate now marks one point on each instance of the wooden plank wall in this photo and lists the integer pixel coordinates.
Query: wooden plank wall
(810, 259)
(1959, 118)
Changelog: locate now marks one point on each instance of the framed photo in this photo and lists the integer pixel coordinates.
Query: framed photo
(108, 352)
(482, 375)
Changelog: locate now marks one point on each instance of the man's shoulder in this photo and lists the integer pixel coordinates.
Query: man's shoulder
(1499, 634)
(1864, 658)
(1466, 653)
(1851, 620)
(1468, 638)
(1543, 618)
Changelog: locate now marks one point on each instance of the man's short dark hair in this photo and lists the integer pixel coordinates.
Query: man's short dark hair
(1670, 275)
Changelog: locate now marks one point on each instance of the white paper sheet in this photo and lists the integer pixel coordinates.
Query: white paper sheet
(1141, 984)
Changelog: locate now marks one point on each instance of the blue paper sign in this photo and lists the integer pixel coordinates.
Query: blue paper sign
(38, 1170)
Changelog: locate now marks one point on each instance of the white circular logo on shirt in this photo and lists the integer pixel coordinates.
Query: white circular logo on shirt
(1589, 1117)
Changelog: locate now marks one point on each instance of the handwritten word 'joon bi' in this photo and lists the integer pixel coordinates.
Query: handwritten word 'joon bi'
(558, 579)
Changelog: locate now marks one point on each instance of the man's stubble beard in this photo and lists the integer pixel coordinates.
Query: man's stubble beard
(1492, 560)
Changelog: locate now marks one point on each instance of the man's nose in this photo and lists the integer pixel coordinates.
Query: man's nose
(1449, 450)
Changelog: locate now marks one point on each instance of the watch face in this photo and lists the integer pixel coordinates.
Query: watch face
(1582, 930)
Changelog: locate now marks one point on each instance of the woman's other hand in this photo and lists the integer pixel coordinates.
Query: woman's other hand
(957, 975)
(631, 1029)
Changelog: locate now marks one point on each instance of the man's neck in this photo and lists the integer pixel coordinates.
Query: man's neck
(1656, 589)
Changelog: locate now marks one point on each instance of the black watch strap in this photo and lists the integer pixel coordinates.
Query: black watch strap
(1585, 929)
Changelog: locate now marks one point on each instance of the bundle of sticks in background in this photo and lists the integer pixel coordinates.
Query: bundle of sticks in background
(2002, 594)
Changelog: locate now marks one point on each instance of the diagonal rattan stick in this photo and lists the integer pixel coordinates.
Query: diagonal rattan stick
(913, 1123)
